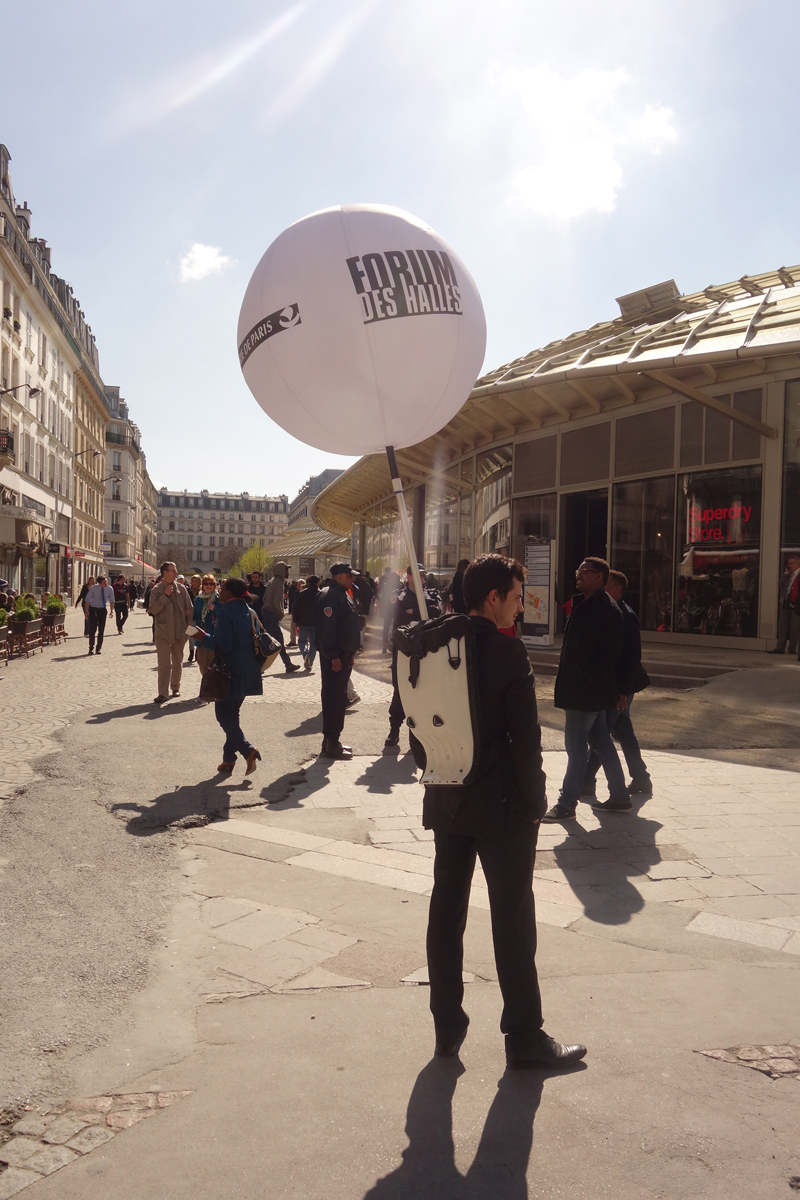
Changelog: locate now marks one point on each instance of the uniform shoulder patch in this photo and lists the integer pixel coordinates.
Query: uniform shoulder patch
(328, 612)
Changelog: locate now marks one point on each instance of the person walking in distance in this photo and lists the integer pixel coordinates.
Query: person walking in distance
(456, 596)
(406, 612)
(291, 593)
(789, 608)
(120, 602)
(229, 629)
(81, 602)
(337, 633)
(272, 612)
(98, 596)
(586, 683)
(133, 594)
(496, 819)
(303, 617)
(171, 610)
(195, 588)
(631, 678)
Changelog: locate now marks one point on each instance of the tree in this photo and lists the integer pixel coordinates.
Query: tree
(255, 558)
(228, 560)
(174, 553)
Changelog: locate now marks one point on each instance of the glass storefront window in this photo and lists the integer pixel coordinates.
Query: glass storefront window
(441, 525)
(493, 501)
(719, 537)
(642, 540)
(790, 519)
(534, 516)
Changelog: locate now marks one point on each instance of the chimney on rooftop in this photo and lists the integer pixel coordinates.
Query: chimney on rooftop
(24, 216)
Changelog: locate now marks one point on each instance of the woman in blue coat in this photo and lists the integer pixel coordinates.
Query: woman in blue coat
(229, 629)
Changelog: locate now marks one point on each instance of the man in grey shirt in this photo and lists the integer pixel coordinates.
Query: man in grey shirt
(272, 611)
(98, 596)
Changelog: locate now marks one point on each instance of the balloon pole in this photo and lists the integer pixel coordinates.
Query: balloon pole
(397, 487)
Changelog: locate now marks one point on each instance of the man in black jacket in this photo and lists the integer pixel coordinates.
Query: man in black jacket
(631, 678)
(586, 683)
(495, 818)
(337, 634)
(406, 612)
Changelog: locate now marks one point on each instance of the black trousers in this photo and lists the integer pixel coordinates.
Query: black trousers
(121, 613)
(97, 625)
(334, 695)
(396, 711)
(507, 863)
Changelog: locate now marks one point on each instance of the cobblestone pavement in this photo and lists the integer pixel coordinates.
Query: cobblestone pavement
(42, 693)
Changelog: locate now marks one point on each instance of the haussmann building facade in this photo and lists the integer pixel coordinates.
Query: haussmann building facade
(666, 440)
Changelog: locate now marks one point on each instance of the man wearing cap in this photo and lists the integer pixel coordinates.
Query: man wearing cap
(406, 612)
(337, 630)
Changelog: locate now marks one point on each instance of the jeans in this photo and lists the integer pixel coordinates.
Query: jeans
(227, 713)
(334, 695)
(605, 750)
(618, 722)
(307, 641)
(272, 623)
(576, 742)
(507, 863)
(97, 625)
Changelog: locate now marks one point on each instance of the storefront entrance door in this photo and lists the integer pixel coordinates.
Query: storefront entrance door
(583, 530)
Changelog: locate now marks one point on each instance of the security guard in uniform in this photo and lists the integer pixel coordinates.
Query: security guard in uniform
(338, 638)
(406, 612)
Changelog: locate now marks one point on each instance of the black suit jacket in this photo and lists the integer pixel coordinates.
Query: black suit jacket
(630, 674)
(510, 780)
(590, 652)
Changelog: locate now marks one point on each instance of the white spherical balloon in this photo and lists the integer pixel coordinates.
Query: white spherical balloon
(360, 329)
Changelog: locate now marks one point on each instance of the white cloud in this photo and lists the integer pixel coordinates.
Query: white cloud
(202, 261)
(563, 142)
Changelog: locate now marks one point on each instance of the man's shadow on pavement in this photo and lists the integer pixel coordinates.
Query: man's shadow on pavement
(187, 807)
(306, 728)
(388, 771)
(499, 1170)
(150, 712)
(630, 839)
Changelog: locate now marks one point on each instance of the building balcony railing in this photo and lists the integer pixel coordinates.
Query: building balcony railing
(122, 439)
(6, 447)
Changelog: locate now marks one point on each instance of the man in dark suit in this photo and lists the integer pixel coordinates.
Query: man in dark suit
(631, 678)
(495, 818)
(586, 682)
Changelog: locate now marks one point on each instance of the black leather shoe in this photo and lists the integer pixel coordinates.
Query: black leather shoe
(448, 1045)
(290, 668)
(393, 739)
(545, 1053)
(332, 749)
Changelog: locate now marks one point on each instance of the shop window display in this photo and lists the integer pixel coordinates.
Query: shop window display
(642, 541)
(719, 536)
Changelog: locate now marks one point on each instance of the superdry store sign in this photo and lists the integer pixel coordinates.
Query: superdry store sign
(728, 523)
(405, 283)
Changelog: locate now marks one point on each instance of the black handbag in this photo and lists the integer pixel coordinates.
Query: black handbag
(265, 645)
(216, 683)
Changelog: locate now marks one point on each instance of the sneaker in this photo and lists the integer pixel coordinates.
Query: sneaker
(641, 787)
(306, 663)
(556, 814)
(353, 699)
(612, 805)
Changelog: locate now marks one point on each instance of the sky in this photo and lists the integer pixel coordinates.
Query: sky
(570, 153)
